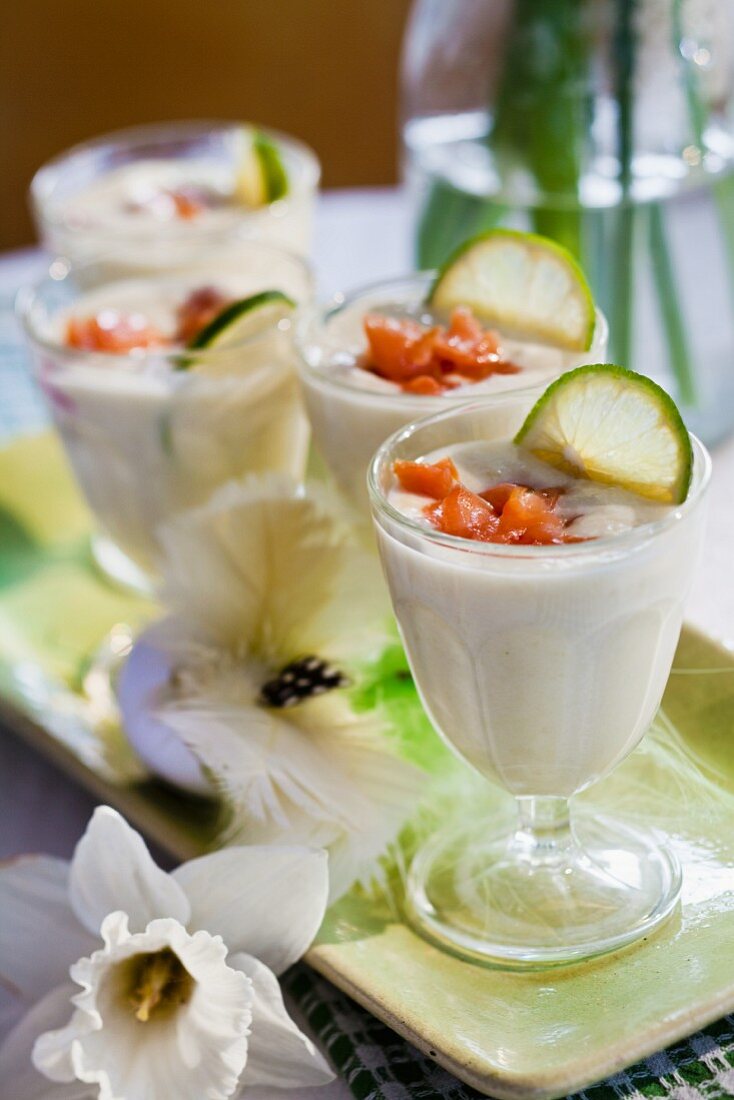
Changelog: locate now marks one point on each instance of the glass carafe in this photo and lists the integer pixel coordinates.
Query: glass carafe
(609, 126)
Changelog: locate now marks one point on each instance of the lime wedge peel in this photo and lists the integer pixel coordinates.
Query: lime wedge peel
(611, 425)
(237, 322)
(241, 318)
(526, 285)
(261, 175)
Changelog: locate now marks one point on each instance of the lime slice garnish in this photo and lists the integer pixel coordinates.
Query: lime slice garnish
(526, 285)
(611, 425)
(237, 321)
(242, 318)
(261, 174)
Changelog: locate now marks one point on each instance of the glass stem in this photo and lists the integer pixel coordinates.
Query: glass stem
(543, 833)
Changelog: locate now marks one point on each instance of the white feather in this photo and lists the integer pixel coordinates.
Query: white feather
(261, 575)
(289, 781)
(266, 570)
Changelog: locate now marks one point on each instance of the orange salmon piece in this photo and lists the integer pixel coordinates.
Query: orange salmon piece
(529, 518)
(435, 479)
(465, 515)
(113, 332)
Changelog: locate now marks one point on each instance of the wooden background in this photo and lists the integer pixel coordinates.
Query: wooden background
(326, 70)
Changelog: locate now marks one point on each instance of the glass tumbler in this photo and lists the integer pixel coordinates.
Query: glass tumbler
(542, 667)
(147, 439)
(71, 196)
(352, 411)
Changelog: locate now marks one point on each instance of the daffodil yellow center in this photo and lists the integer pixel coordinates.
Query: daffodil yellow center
(158, 983)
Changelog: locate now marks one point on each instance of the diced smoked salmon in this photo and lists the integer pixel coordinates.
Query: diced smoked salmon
(427, 479)
(527, 517)
(504, 513)
(111, 331)
(429, 360)
(465, 515)
(196, 311)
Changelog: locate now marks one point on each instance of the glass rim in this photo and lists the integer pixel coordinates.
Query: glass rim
(30, 296)
(609, 544)
(317, 315)
(45, 177)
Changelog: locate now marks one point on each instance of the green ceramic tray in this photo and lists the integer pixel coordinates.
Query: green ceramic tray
(508, 1034)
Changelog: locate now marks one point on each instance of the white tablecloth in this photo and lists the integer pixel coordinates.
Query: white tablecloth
(361, 236)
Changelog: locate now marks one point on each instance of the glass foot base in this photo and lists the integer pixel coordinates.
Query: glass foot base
(118, 567)
(516, 896)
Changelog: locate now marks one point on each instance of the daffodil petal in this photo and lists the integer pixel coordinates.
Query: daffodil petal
(19, 1079)
(267, 900)
(280, 1054)
(52, 1049)
(113, 869)
(200, 1049)
(40, 937)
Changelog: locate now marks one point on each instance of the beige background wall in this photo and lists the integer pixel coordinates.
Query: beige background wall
(323, 69)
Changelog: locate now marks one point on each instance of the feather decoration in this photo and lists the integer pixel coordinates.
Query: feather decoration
(322, 776)
(261, 576)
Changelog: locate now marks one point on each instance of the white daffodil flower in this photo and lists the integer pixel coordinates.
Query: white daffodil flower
(173, 990)
(241, 690)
